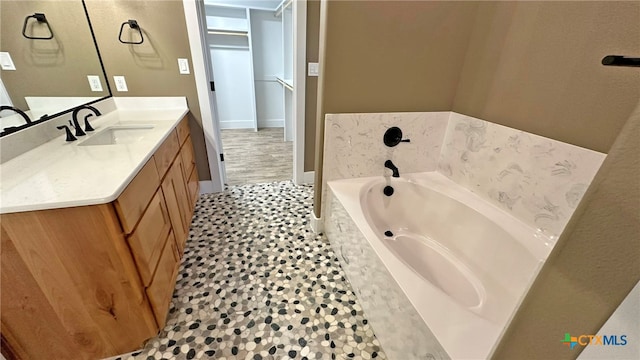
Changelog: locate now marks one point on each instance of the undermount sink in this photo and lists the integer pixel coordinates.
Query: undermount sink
(114, 135)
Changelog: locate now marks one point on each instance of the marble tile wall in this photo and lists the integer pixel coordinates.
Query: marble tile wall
(354, 144)
(538, 180)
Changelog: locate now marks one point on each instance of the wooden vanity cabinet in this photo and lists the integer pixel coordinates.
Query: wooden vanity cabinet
(70, 288)
(157, 242)
(96, 281)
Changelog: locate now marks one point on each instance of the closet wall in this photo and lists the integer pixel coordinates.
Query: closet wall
(266, 37)
(251, 52)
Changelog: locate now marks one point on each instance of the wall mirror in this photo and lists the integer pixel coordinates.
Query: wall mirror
(54, 75)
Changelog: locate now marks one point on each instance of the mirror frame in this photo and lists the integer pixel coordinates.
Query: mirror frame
(104, 73)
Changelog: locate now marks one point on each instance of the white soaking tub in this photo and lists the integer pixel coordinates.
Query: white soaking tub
(461, 264)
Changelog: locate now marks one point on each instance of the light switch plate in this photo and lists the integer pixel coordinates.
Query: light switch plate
(314, 69)
(94, 82)
(183, 66)
(6, 62)
(121, 84)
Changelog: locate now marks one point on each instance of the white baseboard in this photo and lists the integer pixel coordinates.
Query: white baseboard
(206, 187)
(317, 225)
(236, 124)
(309, 177)
(270, 123)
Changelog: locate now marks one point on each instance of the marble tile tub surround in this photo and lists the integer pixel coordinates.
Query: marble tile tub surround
(354, 147)
(538, 180)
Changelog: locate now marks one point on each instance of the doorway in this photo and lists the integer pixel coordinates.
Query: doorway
(255, 54)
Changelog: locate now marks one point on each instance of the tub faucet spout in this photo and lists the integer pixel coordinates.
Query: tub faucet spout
(389, 165)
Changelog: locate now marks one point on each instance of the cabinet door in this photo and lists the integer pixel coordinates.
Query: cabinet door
(163, 157)
(178, 204)
(190, 173)
(131, 204)
(183, 130)
(193, 185)
(164, 280)
(188, 158)
(148, 238)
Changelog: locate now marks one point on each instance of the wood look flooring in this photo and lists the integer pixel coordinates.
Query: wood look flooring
(252, 157)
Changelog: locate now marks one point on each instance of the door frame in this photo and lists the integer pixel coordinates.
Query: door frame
(196, 30)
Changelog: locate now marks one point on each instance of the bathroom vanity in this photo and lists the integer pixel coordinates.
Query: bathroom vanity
(93, 233)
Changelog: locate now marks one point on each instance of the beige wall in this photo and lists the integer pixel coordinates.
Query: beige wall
(56, 67)
(593, 266)
(311, 90)
(386, 56)
(150, 69)
(535, 66)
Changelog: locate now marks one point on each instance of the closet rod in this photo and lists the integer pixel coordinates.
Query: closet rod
(229, 47)
(284, 83)
(283, 5)
(225, 32)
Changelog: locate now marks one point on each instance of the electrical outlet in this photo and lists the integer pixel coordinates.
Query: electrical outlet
(183, 66)
(6, 62)
(314, 69)
(121, 84)
(94, 82)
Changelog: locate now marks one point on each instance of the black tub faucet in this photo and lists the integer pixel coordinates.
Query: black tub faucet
(389, 165)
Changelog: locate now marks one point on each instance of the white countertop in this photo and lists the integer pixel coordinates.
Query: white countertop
(61, 174)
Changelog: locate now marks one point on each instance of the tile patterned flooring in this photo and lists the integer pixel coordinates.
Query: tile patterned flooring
(253, 157)
(256, 283)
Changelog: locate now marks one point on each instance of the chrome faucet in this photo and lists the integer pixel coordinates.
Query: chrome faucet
(18, 111)
(87, 126)
(389, 165)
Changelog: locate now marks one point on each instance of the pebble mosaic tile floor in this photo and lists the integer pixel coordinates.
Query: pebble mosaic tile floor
(256, 283)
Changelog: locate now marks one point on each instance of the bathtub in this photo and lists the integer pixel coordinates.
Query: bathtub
(461, 264)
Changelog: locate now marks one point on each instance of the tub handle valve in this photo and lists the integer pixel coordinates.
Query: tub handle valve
(393, 137)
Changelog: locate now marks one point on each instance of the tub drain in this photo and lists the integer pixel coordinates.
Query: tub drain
(388, 233)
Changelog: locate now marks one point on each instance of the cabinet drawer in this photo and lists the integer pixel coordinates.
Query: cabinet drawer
(188, 158)
(149, 237)
(164, 281)
(130, 205)
(193, 186)
(183, 129)
(166, 153)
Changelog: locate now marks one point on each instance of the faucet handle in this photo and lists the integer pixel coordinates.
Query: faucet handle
(70, 136)
(87, 126)
(393, 136)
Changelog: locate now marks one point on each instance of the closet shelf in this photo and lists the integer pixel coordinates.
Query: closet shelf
(227, 24)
